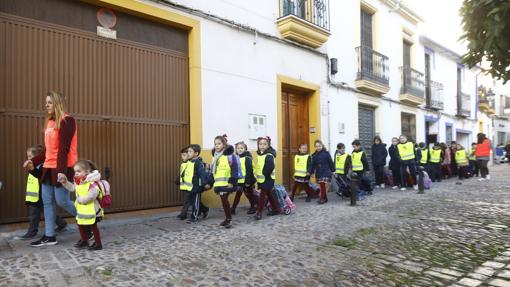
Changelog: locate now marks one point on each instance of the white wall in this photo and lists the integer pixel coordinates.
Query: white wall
(239, 78)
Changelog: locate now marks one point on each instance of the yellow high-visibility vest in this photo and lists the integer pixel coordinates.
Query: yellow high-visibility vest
(188, 169)
(461, 157)
(424, 156)
(340, 163)
(406, 151)
(301, 165)
(259, 168)
(357, 164)
(223, 172)
(85, 213)
(435, 155)
(32, 194)
(472, 155)
(243, 169)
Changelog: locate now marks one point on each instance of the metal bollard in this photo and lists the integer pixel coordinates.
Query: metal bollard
(421, 187)
(354, 188)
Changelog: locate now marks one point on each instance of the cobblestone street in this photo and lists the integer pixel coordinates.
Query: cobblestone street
(453, 235)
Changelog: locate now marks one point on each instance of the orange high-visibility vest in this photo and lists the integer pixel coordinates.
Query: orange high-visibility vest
(52, 141)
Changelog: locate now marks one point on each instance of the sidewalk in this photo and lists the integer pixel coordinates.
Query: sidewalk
(392, 238)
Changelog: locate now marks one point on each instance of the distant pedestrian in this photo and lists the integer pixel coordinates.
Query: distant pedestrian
(461, 160)
(447, 160)
(360, 166)
(406, 154)
(483, 153)
(436, 158)
(507, 151)
(473, 167)
(394, 164)
(379, 155)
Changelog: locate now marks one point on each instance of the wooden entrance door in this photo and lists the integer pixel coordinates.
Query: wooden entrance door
(295, 130)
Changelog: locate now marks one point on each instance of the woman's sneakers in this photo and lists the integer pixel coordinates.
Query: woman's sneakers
(252, 210)
(45, 241)
(26, 236)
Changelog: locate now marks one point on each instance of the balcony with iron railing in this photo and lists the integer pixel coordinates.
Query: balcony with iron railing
(434, 95)
(412, 89)
(304, 21)
(463, 105)
(373, 71)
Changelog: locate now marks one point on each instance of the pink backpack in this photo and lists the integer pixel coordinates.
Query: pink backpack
(105, 198)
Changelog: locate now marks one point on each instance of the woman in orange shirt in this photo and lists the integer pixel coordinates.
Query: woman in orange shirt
(483, 154)
(61, 144)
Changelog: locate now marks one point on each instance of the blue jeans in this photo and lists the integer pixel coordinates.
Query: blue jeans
(50, 195)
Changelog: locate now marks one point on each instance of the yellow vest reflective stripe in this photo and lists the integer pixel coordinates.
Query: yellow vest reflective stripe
(340, 163)
(222, 172)
(357, 164)
(243, 169)
(461, 157)
(259, 168)
(435, 155)
(32, 189)
(406, 151)
(187, 175)
(85, 213)
(472, 154)
(424, 156)
(301, 165)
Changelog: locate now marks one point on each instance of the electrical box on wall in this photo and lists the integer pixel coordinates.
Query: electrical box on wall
(256, 126)
(341, 128)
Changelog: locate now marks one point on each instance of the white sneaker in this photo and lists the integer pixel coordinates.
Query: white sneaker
(487, 177)
(383, 185)
(403, 189)
(377, 186)
(415, 187)
(481, 179)
(394, 187)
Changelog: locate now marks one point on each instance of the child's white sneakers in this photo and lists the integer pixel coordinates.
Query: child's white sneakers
(415, 187)
(383, 185)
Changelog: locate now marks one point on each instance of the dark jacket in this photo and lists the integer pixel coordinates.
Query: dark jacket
(379, 154)
(249, 178)
(348, 162)
(366, 166)
(199, 175)
(234, 170)
(37, 172)
(322, 164)
(394, 159)
(507, 150)
(269, 166)
(309, 167)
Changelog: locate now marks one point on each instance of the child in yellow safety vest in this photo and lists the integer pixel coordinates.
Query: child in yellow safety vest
(88, 209)
(406, 154)
(435, 160)
(302, 171)
(225, 171)
(462, 161)
(179, 182)
(359, 166)
(265, 174)
(342, 163)
(473, 167)
(33, 194)
(194, 182)
(246, 183)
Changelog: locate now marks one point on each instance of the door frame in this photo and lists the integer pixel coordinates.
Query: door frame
(314, 120)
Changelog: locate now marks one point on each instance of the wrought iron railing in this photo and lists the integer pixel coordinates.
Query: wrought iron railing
(412, 82)
(372, 65)
(313, 11)
(434, 95)
(464, 104)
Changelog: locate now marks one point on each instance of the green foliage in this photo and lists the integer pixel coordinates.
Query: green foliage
(486, 25)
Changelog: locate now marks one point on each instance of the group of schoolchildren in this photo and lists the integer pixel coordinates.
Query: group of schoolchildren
(89, 191)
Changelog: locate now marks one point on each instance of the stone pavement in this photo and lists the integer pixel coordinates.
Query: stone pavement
(453, 235)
